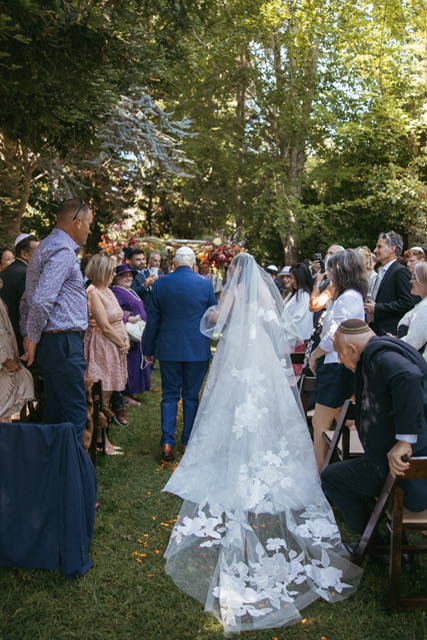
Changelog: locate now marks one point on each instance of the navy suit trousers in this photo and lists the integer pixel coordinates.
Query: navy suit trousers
(61, 358)
(180, 378)
(348, 484)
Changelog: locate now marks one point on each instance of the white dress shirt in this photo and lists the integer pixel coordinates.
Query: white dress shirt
(347, 306)
(416, 321)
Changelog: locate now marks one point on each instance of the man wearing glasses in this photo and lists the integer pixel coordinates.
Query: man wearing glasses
(54, 315)
(391, 295)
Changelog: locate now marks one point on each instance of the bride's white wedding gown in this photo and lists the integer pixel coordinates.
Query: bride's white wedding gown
(256, 539)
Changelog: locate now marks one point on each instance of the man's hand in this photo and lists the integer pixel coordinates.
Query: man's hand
(11, 365)
(150, 281)
(397, 466)
(370, 306)
(29, 351)
(149, 359)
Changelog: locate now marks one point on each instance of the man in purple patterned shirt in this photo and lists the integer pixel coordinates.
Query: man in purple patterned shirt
(54, 315)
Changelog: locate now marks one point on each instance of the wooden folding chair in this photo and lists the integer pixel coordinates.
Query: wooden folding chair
(306, 386)
(98, 431)
(390, 505)
(34, 410)
(342, 441)
(297, 358)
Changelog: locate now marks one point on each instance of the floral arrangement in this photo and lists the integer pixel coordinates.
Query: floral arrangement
(117, 238)
(219, 252)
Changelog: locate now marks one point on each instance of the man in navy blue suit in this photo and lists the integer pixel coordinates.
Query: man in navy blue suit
(178, 302)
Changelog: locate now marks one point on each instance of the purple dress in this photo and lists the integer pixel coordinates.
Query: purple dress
(139, 379)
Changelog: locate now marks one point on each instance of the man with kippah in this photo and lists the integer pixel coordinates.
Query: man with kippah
(391, 419)
(173, 336)
(12, 285)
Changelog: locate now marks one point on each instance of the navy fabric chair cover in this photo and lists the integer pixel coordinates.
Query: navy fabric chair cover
(47, 498)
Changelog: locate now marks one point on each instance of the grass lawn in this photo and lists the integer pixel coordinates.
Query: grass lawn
(127, 596)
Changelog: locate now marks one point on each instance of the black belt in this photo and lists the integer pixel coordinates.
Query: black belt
(65, 331)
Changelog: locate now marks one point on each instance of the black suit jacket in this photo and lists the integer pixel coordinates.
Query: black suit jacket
(14, 277)
(391, 399)
(393, 299)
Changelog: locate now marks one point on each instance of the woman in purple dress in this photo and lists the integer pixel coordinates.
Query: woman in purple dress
(139, 375)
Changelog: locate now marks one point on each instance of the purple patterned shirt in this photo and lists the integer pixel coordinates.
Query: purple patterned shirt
(55, 297)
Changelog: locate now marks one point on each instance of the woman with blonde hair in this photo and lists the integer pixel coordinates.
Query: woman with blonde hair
(412, 328)
(106, 340)
(369, 262)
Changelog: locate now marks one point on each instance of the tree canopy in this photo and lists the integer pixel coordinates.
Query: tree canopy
(287, 123)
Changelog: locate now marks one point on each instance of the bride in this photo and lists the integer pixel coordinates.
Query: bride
(256, 540)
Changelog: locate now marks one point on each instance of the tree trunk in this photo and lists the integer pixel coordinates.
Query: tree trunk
(17, 169)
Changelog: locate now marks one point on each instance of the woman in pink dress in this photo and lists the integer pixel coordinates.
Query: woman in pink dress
(106, 340)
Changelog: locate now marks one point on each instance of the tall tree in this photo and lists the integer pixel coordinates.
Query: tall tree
(64, 64)
(270, 86)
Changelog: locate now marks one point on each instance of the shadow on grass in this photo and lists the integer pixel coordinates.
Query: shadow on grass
(127, 596)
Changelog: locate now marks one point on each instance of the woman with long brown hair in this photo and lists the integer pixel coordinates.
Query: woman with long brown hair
(335, 383)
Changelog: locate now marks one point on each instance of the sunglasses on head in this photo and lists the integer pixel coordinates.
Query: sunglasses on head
(82, 204)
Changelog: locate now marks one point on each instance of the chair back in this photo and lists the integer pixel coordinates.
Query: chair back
(390, 505)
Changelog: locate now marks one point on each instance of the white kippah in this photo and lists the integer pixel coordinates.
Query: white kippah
(416, 249)
(22, 236)
(185, 251)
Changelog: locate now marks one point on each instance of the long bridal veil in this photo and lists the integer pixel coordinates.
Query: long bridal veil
(256, 540)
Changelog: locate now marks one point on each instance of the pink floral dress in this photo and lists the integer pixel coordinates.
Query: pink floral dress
(104, 360)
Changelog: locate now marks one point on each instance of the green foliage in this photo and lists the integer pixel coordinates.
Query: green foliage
(308, 118)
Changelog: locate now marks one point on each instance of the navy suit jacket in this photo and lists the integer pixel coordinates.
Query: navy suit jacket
(178, 302)
(393, 299)
(139, 288)
(14, 277)
(391, 399)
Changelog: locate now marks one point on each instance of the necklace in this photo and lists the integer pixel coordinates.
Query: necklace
(131, 291)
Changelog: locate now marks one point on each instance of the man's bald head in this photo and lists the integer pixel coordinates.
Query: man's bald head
(333, 249)
(350, 340)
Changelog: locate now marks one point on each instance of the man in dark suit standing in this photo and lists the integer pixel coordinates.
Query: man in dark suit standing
(178, 302)
(391, 419)
(145, 276)
(13, 278)
(391, 296)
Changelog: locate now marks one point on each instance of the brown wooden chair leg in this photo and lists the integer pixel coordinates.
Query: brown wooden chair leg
(396, 549)
(374, 521)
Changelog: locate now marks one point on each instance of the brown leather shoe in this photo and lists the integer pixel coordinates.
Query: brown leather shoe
(167, 453)
(120, 417)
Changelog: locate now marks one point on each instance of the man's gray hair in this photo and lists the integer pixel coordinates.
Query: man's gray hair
(184, 260)
(393, 239)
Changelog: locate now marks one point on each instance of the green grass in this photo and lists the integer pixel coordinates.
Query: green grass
(128, 596)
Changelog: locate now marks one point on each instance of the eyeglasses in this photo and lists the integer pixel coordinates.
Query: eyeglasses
(82, 204)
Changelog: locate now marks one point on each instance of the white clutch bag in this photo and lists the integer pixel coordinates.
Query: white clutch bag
(135, 330)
